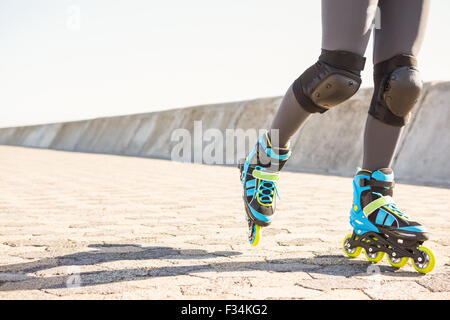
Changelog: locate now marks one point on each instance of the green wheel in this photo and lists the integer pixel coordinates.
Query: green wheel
(397, 262)
(374, 257)
(254, 234)
(351, 252)
(426, 262)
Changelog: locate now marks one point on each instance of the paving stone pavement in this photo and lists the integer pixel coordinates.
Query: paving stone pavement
(92, 226)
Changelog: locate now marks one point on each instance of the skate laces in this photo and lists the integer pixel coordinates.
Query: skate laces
(393, 208)
(397, 211)
(266, 190)
(270, 188)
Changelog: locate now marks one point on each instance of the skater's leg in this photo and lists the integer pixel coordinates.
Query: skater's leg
(288, 119)
(346, 24)
(402, 28)
(401, 32)
(380, 143)
(345, 28)
(379, 225)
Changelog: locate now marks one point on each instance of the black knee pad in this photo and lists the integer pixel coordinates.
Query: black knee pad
(397, 87)
(334, 78)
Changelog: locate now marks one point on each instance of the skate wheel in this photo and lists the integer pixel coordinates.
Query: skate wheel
(397, 262)
(428, 260)
(255, 234)
(353, 252)
(374, 257)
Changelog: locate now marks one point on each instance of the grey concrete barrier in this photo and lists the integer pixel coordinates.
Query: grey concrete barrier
(329, 143)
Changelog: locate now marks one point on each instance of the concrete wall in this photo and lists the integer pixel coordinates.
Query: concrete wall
(330, 143)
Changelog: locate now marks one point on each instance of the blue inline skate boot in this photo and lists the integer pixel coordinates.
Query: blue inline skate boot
(379, 227)
(259, 173)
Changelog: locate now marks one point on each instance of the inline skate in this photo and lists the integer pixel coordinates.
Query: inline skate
(380, 228)
(259, 173)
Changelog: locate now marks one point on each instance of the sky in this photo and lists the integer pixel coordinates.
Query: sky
(64, 60)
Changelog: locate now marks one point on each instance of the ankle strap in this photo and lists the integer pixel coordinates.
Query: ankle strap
(376, 183)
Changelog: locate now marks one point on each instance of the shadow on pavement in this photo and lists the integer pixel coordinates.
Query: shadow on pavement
(14, 276)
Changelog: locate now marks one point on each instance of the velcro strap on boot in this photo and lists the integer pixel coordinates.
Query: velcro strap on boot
(266, 175)
(378, 203)
(376, 183)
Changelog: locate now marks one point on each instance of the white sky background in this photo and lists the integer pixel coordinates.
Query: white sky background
(134, 56)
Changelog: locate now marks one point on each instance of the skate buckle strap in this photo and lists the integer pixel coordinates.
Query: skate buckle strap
(271, 152)
(376, 183)
(266, 175)
(378, 203)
